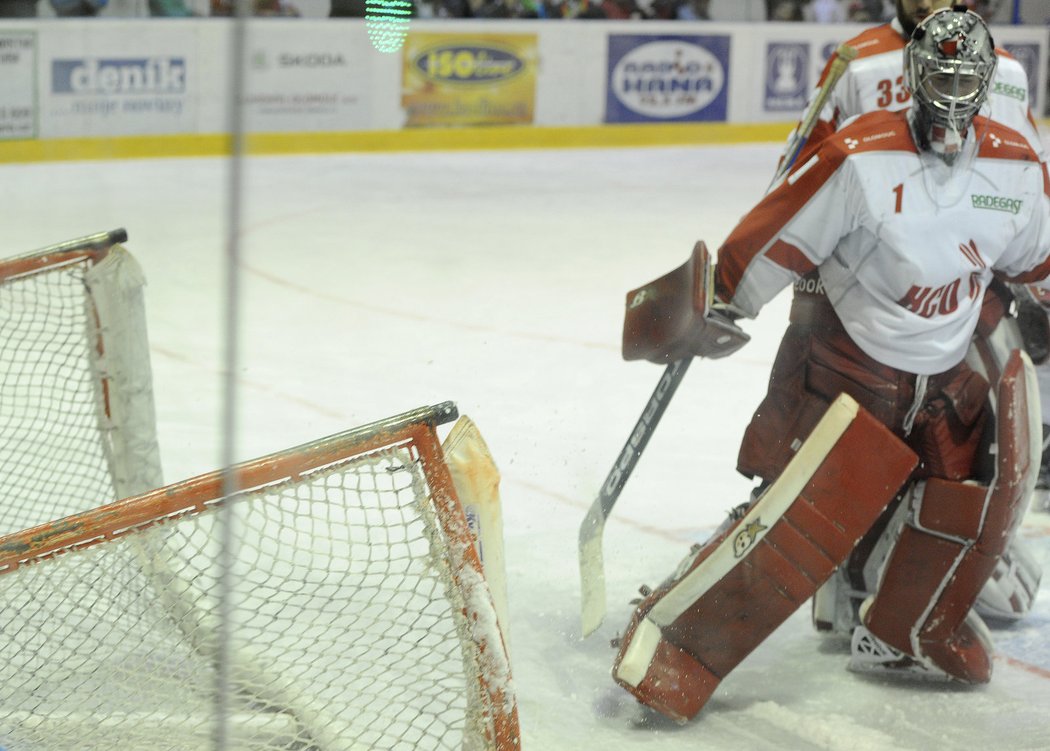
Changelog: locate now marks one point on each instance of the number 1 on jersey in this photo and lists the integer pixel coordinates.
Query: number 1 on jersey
(899, 191)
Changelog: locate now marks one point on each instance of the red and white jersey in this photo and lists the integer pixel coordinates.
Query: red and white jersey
(874, 81)
(905, 245)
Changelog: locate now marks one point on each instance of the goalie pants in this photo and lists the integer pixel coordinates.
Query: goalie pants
(817, 361)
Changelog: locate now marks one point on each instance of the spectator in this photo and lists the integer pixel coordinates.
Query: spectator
(169, 9)
(866, 11)
(425, 8)
(664, 10)
(825, 11)
(622, 9)
(783, 10)
(590, 9)
(259, 8)
(72, 8)
(493, 9)
(694, 10)
(17, 8)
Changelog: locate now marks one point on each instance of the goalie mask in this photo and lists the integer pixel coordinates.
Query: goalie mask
(948, 67)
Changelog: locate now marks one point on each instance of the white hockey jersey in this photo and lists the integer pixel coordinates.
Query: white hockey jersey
(904, 244)
(874, 81)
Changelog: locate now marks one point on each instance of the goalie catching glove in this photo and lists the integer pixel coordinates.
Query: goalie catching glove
(674, 317)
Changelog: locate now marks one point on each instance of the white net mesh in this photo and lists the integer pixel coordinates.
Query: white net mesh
(76, 401)
(345, 632)
(51, 458)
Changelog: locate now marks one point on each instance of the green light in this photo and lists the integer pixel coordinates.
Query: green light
(387, 23)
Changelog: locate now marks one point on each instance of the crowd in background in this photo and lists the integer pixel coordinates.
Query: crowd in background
(819, 11)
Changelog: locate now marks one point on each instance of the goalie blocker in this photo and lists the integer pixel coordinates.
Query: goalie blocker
(674, 316)
(734, 591)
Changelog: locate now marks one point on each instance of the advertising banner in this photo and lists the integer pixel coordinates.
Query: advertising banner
(787, 83)
(666, 78)
(469, 79)
(18, 108)
(113, 84)
(314, 82)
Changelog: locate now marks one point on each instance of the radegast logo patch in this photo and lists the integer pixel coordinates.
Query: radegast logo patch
(997, 203)
(1027, 54)
(1014, 92)
(144, 75)
(468, 64)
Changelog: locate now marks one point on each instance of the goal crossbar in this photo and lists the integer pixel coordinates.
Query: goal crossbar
(93, 247)
(196, 494)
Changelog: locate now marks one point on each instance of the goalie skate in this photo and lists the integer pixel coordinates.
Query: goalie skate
(835, 605)
(869, 654)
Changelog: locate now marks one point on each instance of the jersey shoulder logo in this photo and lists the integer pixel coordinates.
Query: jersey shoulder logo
(874, 131)
(1003, 142)
(877, 41)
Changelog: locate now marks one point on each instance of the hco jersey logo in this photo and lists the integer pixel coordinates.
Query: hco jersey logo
(151, 75)
(667, 78)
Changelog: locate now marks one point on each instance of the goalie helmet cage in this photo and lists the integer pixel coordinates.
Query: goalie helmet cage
(77, 424)
(358, 617)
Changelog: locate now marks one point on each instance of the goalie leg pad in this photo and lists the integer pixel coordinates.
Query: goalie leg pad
(932, 579)
(733, 592)
(952, 544)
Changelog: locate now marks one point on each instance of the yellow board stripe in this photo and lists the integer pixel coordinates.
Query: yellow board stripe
(422, 139)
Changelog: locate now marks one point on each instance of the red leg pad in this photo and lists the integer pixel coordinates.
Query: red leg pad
(734, 592)
(931, 583)
(966, 654)
(677, 684)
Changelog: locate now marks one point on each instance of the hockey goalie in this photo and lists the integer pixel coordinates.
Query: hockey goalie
(875, 421)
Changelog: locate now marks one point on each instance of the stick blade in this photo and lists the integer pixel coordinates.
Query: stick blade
(592, 570)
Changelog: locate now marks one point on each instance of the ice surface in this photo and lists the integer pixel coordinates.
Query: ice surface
(374, 284)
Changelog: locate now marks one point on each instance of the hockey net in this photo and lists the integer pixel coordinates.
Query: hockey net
(76, 401)
(351, 611)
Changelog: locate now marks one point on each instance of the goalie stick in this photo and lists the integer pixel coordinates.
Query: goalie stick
(592, 565)
(843, 56)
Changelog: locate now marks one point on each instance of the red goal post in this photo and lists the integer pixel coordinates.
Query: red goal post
(353, 555)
